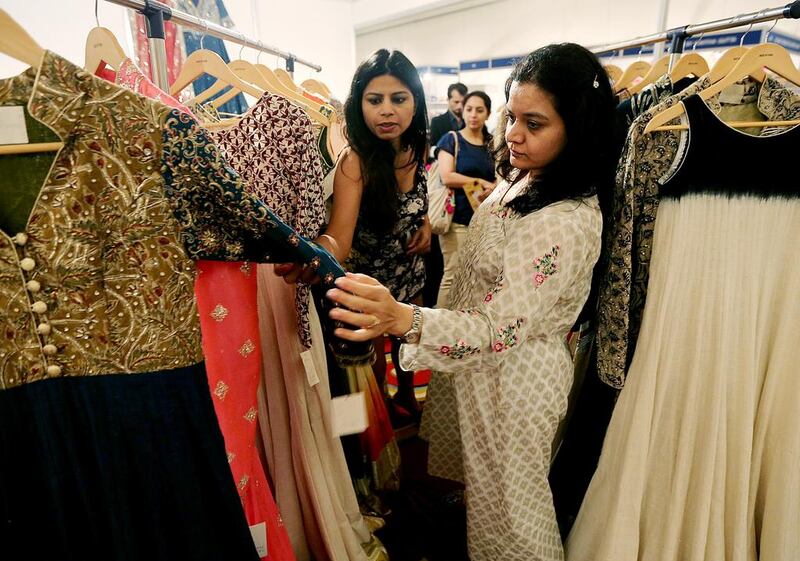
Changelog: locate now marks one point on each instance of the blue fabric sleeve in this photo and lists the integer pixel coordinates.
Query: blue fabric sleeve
(446, 143)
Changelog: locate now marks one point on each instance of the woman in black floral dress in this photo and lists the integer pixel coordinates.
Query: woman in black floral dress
(378, 223)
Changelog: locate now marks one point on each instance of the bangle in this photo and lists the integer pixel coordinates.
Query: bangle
(331, 239)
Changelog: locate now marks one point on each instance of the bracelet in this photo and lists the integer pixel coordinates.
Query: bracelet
(331, 239)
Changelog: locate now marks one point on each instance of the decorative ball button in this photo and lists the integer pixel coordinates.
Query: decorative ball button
(33, 286)
(27, 264)
(54, 370)
(50, 349)
(39, 307)
(43, 329)
(21, 239)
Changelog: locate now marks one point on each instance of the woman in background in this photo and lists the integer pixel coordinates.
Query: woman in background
(465, 157)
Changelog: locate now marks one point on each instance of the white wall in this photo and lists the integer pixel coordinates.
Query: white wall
(318, 30)
(322, 30)
(62, 26)
(370, 10)
(512, 27)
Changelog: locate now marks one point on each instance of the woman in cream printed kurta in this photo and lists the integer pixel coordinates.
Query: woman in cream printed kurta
(523, 285)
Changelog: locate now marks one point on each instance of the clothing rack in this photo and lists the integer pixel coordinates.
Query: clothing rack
(156, 13)
(677, 36)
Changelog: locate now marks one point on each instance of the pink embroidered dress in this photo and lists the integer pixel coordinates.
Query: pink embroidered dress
(226, 301)
(273, 148)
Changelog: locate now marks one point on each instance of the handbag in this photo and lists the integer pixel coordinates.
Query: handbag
(441, 199)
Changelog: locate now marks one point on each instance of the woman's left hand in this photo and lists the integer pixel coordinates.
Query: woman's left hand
(420, 242)
(372, 310)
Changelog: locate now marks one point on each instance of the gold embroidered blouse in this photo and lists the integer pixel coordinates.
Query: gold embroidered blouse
(100, 280)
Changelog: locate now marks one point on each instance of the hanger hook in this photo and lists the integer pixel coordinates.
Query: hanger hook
(771, 29)
(641, 50)
(96, 17)
(697, 42)
(749, 29)
(203, 36)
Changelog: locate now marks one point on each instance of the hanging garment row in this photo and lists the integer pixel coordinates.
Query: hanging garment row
(130, 224)
(698, 320)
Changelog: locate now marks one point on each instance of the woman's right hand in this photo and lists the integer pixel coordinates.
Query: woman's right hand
(295, 272)
(487, 185)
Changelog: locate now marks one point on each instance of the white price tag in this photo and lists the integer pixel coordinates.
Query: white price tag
(12, 125)
(349, 414)
(259, 533)
(311, 370)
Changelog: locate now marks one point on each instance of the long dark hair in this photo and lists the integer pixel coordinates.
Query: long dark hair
(487, 101)
(379, 203)
(582, 96)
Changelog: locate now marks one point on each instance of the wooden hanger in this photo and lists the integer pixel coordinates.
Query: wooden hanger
(315, 87)
(637, 69)
(208, 62)
(769, 55)
(207, 93)
(690, 64)
(244, 70)
(286, 79)
(660, 68)
(18, 44)
(292, 95)
(282, 91)
(726, 63)
(102, 47)
(614, 72)
(270, 76)
(297, 99)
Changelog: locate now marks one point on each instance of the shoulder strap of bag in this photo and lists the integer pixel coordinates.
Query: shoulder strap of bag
(455, 140)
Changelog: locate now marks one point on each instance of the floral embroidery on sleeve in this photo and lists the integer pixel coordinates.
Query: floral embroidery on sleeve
(497, 287)
(507, 336)
(545, 266)
(501, 211)
(459, 350)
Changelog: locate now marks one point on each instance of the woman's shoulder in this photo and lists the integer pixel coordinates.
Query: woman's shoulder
(576, 215)
(350, 164)
(448, 140)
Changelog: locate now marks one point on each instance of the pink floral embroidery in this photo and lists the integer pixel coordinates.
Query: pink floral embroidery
(498, 286)
(507, 336)
(545, 266)
(459, 350)
(449, 204)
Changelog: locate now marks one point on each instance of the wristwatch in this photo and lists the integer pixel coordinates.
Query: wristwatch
(413, 335)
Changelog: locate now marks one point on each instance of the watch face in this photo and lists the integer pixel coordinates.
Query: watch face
(411, 338)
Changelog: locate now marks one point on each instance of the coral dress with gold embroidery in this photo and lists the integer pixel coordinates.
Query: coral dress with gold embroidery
(226, 301)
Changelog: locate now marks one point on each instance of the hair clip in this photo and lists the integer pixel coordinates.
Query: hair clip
(595, 84)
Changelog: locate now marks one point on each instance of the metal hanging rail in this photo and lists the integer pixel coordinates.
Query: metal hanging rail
(156, 13)
(679, 35)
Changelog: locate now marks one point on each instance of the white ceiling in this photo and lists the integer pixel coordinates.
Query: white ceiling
(374, 15)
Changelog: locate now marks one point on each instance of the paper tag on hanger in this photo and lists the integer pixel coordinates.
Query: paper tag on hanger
(735, 94)
(311, 370)
(12, 125)
(259, 533)
(349, 414)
